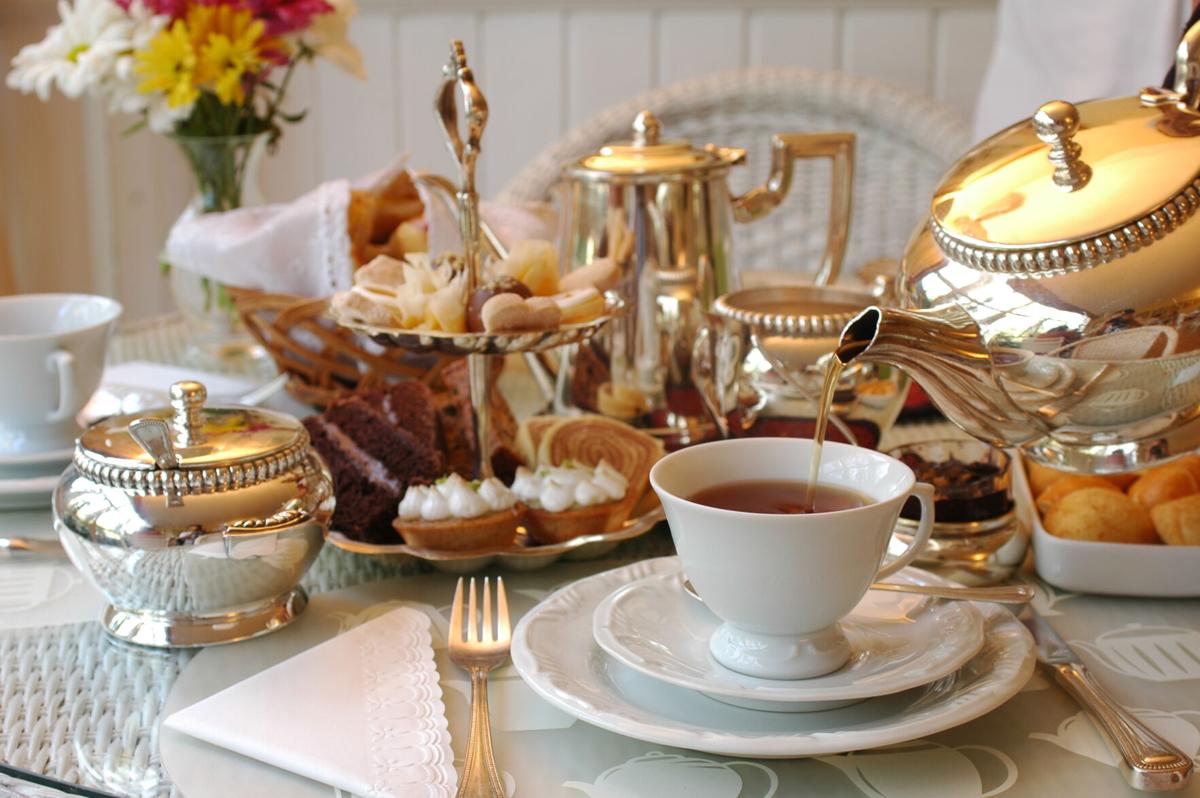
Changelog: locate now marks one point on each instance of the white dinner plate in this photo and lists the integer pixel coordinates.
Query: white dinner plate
(27, 494)
(555, 653)
(897, 642)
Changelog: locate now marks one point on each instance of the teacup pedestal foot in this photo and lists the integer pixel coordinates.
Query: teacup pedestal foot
(780, 656)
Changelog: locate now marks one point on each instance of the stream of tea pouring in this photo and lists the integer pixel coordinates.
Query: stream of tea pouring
(836, 362)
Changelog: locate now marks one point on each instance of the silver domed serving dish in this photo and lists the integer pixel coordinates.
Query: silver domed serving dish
(196, 523)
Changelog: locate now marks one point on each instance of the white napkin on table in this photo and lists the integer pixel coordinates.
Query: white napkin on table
(362, 712)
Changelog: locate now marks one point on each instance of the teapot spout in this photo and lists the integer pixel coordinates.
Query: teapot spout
(942, 350)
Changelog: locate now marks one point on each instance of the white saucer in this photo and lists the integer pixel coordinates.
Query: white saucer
(17, 465)
(554, 652)
(897, 641)
(30, 493)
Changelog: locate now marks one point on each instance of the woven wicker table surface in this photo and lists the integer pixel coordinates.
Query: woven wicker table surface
(75, 707)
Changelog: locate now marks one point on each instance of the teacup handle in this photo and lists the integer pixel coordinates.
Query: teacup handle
(924, 493)
(62, 363)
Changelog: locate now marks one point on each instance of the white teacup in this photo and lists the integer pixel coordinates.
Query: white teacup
(52, 347)
(781, 582)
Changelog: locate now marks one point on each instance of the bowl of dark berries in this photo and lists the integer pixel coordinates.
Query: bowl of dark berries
(974, 527)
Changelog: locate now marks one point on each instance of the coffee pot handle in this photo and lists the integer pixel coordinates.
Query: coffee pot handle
(786, 149)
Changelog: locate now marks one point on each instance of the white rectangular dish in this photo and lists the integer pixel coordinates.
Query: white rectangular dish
(1114, 569)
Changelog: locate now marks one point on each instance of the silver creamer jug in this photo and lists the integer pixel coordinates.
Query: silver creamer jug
(663, 212)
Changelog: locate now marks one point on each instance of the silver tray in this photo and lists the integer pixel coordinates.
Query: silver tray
(523, 555)
(484, 343)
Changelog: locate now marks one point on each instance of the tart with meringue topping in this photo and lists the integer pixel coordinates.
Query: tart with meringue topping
(573, 499)
(456, 515)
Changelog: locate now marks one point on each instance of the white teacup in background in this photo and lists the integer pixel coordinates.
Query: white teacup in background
(780, 582)
(52, 347)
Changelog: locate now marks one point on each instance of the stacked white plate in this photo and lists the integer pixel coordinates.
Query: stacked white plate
(627, 650)
(28, 479)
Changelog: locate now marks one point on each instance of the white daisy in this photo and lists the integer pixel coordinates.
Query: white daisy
(78, 54)
(122, 85)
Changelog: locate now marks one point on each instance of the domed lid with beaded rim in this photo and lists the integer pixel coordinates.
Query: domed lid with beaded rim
(191, 448)
(1074, 186)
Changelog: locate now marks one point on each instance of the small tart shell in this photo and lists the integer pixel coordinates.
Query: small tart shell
(544, 526)
(496, 530)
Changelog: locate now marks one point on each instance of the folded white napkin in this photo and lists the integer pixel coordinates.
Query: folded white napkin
(362, 712)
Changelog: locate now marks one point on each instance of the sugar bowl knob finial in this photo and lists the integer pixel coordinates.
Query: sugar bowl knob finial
(1055, 123)
(646, 129)
(187, 399)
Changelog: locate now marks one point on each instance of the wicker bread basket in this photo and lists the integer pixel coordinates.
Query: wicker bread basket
(322, 360)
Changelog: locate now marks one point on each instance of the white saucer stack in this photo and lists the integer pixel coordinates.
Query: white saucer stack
(28, 479)
(627, 650)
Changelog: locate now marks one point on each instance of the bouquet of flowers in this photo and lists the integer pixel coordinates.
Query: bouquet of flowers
(200, 70)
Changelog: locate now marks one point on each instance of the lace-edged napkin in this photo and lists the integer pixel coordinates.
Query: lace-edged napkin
(362, 712)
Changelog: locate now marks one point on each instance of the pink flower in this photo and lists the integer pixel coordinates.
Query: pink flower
(286, 16)
(175, 9)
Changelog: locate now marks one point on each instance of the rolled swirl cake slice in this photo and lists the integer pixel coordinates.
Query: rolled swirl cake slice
(588, 441)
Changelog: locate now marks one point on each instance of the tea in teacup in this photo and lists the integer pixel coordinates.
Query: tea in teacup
(781, 580)
(778, 496)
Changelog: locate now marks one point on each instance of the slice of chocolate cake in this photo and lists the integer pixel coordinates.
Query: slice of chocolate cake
(409, 406)
(373, 459)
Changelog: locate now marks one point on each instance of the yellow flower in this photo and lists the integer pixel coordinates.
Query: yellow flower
(169, 66)
(232, 49)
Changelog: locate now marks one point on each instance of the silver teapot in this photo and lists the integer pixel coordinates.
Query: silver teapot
(1051, 300)
(196, 523)
(663, 212)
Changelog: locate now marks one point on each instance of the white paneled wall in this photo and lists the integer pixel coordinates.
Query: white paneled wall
(86, 208)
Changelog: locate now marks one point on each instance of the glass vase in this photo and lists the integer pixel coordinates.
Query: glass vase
(226, 172)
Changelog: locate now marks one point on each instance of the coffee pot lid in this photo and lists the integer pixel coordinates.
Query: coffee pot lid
(1073, 186)
(648, 155)
(189, 447)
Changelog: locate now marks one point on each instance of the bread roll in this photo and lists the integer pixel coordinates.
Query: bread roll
(1192, 463)
(1178, 522)
(1123, 481)
(1041, 477)
(360, 216)
(1163, 484)
(1069, 484)
(1100, 514)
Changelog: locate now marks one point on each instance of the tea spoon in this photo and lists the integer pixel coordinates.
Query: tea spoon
(1001, 594)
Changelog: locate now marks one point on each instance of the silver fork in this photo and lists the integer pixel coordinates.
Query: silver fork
(479, 651)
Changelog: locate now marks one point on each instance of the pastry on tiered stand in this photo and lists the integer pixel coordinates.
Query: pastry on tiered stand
(456, 515)
(588, 475)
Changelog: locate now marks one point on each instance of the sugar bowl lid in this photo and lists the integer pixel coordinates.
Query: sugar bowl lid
(648, 155)
(190, 448)
(1073, 186)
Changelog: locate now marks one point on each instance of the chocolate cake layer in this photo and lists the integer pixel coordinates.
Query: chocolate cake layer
(366, 495)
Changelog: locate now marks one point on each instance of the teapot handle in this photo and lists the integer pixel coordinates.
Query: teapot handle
(786, 148)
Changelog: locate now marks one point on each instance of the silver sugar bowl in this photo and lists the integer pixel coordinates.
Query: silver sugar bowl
(196, 523)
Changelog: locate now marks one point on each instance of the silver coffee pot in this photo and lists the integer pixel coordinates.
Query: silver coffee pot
(1051, 300)
(663, 212)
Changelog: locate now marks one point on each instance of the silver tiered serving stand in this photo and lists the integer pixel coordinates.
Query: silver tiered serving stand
(459, 86)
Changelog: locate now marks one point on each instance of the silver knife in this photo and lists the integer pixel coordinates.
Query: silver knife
(1148, 762)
